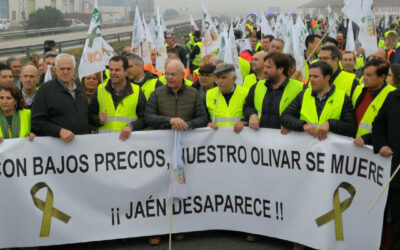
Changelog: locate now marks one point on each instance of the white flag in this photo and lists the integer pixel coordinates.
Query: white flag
(289, 37)
(160, 44)
(265, 27)
(138, 34)
(331, 22)
(367, 35)
(352, 10)
(211, 39)
(97, 52)
(350, 44)
(192, 22)
(147, 44)
(48, 76)
(281, 27)
(178, 177)
(244, 44)
(233, 56)
(224, 43)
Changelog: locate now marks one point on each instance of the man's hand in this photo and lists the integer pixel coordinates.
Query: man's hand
(177, 124)
(253, 122)
(285, 131)
(212, 125)
(103, 117)
(359, 142)
(322, 131)
(310, 129)
(238, 127)
(125, 133)
(31, 136)
(385, 151)
(66, 135)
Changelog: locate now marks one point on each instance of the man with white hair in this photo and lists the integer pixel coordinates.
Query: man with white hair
(175, 105)
(60, 108)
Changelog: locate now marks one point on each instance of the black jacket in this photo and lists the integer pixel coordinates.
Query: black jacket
(345, 126)
(55, 108)
(385, 129)
(270, 117)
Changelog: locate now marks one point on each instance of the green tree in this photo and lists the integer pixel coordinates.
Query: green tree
(48, 17)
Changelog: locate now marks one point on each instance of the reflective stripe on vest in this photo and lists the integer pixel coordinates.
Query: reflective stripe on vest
(125, 113)
(197, 60)
(249, 81)
(344, 81)
(365, 126)
(332, 110)
(292, 89)
(226, 115)
(25, 124)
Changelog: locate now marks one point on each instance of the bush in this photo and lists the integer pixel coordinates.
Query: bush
(48, 17)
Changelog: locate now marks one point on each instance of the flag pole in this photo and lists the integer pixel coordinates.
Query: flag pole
(312, 52)
(171, 209)
(216, 105)
(102, 90)
(383, 190)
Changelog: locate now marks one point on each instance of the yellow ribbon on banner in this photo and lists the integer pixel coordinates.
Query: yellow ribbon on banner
(47, 208)
(338, 208)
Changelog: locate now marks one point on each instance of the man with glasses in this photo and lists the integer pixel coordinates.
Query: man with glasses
(170, 40)
(341, 79)
(118, 105)
(175, 105)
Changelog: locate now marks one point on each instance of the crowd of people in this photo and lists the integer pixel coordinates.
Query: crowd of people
(341, 92)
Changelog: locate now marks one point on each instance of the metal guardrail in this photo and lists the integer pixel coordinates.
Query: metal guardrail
(50, 31)
(27, 50)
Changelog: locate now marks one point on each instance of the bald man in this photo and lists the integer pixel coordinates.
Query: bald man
(175, 105)
(29, 78)
(257, 65)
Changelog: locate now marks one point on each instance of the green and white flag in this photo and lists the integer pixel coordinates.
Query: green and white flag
(97, 52)
(331, 22)
(138, 35)
(210, 41)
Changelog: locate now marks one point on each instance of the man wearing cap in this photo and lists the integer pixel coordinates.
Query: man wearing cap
(225, 102)
(269, 98)
(206, 79)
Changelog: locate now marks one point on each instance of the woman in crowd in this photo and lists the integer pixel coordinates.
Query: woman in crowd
(90, 83)
(15, 121)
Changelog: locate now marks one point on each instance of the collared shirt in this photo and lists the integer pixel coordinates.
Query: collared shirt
(28, 99)
(72, 92)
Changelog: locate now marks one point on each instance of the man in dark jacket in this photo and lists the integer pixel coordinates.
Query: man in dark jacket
(321, 108)
(60, 108)
(386, 140)
(175, 105)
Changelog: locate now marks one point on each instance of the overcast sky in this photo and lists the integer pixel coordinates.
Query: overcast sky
(229, 7)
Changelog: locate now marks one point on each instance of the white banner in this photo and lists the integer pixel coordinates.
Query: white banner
(291, 187)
